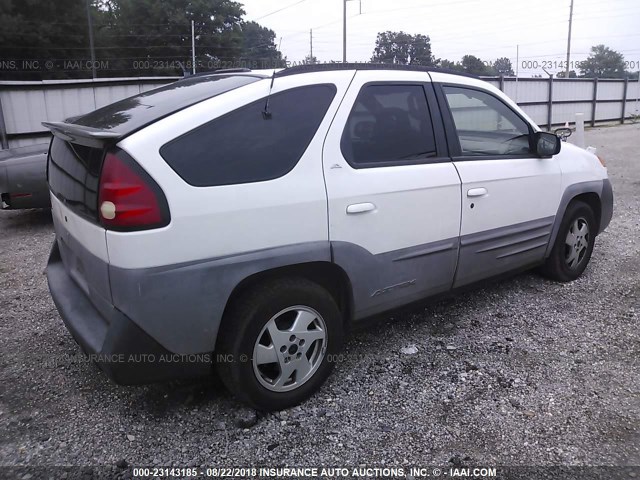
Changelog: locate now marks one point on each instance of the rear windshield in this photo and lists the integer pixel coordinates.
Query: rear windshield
(73, 175)
(131, 114)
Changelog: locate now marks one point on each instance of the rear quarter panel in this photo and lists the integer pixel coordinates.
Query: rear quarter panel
(213, 222)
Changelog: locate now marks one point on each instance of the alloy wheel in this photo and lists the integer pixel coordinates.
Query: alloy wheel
(290, 348)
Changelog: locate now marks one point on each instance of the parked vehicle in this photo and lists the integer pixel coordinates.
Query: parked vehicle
(258, 216)
(23, 177)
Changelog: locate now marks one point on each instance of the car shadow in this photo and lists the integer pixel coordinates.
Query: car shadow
(441, 317)
(18, 219)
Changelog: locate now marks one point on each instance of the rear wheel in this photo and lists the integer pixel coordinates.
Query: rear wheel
(276, 342)
(574, 244)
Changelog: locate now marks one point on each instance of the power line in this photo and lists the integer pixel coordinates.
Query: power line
(279, 10)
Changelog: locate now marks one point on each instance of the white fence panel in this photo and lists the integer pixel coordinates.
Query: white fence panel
(527, 90)
(633, 91)
(25, 105)
(106, 94)
(608, 90)
(566, 112)
(633, 109)
(537, 113)
(20, 107)
(62, 103)
(608, 111)
(573, 90)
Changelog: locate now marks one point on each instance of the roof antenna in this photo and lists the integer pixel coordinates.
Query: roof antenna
(266, 114)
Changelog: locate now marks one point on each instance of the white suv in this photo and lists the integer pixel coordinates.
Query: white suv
(244, 220)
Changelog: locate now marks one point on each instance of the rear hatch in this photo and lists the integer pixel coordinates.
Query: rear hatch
(95, 186)
(79, 146)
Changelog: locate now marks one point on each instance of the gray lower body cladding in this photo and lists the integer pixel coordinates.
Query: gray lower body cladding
(177, 309)
(181, 306)
(494, 252)
(606, 203)
(126, 353)
(392, 279)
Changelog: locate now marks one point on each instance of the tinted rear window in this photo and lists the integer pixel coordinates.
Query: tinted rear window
(74, 172)
(242, 146)
(133, 113)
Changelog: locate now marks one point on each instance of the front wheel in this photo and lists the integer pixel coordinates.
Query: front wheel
(574, 244)
(275, 343)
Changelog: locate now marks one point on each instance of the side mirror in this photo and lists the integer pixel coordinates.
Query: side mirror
(546, 144)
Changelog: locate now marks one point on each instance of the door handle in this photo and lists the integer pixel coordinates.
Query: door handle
(477, 192)
(360, 208)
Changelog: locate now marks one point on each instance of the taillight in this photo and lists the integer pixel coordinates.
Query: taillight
(128, 198)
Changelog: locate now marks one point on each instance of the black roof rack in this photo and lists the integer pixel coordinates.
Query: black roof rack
(325, 67)
(219, 71)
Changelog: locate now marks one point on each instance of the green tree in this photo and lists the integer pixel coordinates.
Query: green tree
(473, 65)
(259, 48)
(402, 48)
(45, 39)
(603, 63)
(449, 65)
(156, 34)
(562, 74)
(310, 60)
(502, 66)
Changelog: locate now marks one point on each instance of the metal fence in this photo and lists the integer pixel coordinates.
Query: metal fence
(549, 102)
(554, 101)
(25, 105)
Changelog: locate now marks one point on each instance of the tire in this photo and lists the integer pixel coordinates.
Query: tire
(261, 350)
(573, 246)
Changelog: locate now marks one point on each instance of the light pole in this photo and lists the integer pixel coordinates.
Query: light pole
(91, 47)
(566, 74)
(344, 28)
(193, 48)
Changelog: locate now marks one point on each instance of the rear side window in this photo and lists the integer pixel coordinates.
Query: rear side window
(388, 123)
(242, 146)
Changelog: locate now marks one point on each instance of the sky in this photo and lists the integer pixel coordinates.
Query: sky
(487, 29)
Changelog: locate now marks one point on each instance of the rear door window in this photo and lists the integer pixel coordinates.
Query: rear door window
(243, 146)
(389, 124)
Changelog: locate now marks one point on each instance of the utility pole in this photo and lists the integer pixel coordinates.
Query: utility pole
(311, 45)
(344, 31)
(517, 69)
(91, 47)
(193, 48)
(566, 74)
(344, 28)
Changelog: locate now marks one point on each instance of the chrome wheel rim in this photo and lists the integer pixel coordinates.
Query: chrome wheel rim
(290, 348)
(577, 243)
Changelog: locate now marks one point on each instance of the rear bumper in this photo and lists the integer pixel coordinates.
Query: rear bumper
(118, 346)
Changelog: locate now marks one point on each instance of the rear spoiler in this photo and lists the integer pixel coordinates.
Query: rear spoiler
(81, 134)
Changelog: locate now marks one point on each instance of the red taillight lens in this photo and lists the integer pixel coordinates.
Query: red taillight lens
(128, 199)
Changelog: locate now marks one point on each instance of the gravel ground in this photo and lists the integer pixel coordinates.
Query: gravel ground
(521, 372)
